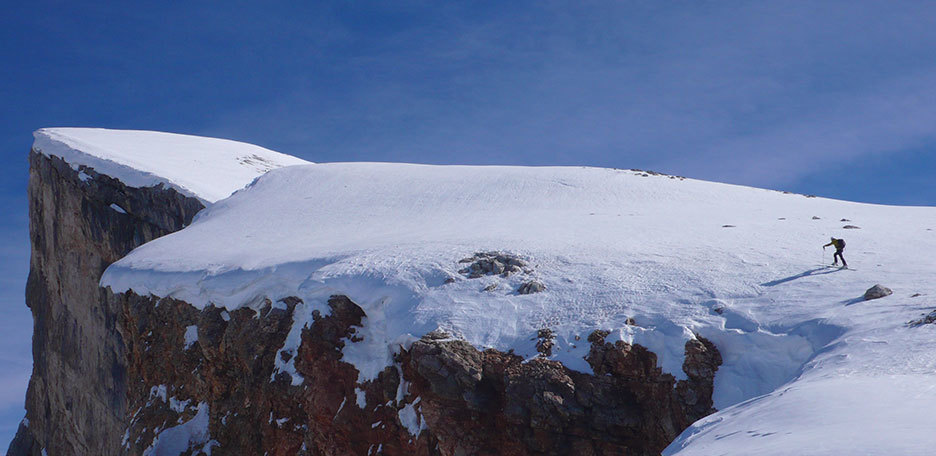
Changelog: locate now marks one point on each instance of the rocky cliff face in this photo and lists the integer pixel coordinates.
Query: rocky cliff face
(129, 374)
(80, 222)
(441, 397)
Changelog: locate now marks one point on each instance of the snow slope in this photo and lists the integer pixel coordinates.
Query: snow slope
(205, 168)
(808, 368)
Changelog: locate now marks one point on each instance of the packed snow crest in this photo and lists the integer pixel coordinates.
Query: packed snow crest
(493, 254)
(205, 168)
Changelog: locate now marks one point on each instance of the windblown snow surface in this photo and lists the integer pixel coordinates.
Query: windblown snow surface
(809, 367)
(205, 168)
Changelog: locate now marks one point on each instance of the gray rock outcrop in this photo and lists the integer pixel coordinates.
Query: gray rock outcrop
(492, 263)
(877, 291)
(927, 319)
(76, 399)
(531, 287)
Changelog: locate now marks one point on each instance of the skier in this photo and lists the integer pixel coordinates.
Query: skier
(839, 247)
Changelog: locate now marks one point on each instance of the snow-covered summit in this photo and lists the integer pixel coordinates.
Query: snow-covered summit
(205, 168)
(742, 267)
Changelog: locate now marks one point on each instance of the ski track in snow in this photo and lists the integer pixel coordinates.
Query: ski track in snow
(808, 368)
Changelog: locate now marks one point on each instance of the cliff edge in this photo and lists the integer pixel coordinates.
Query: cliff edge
(88, 208)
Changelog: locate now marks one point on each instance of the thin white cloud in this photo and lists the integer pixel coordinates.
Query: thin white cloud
(758, 93)
(898, 116)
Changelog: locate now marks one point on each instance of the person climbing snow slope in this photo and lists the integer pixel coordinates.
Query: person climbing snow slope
(839, 247)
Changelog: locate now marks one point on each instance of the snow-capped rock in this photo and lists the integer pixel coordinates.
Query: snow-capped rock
(208, 169)
(94, 195)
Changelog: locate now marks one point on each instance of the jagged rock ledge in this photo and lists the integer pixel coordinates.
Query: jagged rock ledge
(442, 395)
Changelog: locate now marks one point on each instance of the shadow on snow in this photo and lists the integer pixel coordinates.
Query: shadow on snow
(849, 302)
(811, 272)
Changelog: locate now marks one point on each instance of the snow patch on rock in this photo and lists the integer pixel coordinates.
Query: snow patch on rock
(191, 336)
(189, 435)
(303, 314)
(361, 398)
(411, 419)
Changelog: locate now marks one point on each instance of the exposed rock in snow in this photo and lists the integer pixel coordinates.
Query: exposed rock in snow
(545, 341)
(508, 406)
(927, 319)
(531, 287)
(492, 263)
(619, 358)
(877, 291)
(701, 364)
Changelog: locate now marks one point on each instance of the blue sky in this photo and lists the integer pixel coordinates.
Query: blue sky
(833, 98)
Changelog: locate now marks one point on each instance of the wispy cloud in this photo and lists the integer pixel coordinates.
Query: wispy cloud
(757, 93)
(890, 119)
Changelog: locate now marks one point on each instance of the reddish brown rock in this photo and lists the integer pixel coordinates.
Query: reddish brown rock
(463, 401)
(701, 363)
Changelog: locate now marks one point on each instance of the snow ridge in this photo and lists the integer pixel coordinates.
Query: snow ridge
(205, 168)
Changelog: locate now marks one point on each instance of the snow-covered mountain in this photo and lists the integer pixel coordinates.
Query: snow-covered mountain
(495, 256)
(807, 363)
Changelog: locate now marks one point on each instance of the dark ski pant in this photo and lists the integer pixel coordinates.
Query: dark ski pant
(838, 256)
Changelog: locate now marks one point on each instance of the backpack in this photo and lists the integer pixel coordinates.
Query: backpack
(840, 244)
